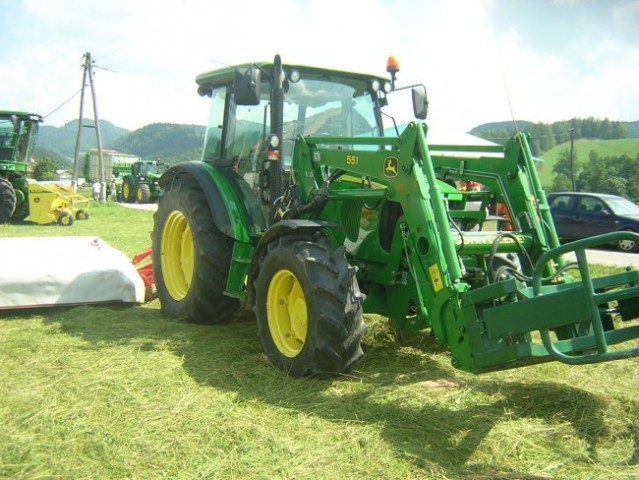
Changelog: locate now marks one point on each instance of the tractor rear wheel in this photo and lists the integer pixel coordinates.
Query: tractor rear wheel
(309, 307)
(191, 257)
(7, 200)
(143, 193)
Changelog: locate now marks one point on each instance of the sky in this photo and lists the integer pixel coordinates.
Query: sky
(481, 60)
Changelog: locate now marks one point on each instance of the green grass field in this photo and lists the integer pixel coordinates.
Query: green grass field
(582, 148)
(120, 392)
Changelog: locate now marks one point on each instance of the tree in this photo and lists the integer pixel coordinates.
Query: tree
(45, 169)
(561, 183)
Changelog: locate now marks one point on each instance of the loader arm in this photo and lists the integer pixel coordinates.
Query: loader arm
(486, 327)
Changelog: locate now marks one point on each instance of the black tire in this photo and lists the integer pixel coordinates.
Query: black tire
(7, 200)
(318, 329)
(65, 220)
(128, 190)
(143, 193)
(191, 258)
(82, 214)
(21, 212)
(628, 246)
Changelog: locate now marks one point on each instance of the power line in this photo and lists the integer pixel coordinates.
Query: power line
(62, 104)
(137, 77)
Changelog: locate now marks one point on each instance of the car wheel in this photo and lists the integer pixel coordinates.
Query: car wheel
(628, 246)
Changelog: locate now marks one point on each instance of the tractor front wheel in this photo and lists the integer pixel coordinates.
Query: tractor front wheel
(7, 200)
(66, 220)
(191, 257)
(309, 307)
(128, 190)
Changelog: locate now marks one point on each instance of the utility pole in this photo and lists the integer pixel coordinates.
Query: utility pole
(572, 163)
(88, 71)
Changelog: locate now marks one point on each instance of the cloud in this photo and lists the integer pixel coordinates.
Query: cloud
(553, 60)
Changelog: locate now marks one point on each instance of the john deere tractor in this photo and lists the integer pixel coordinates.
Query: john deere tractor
(18, 132)
(141, 184)
(316, 200)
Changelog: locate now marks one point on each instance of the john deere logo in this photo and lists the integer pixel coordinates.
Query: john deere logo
(390, 167)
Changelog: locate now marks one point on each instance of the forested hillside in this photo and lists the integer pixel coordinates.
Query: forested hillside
(546, 136)
(172, 143)
(58, 143)
(605, 166)
(169, 142)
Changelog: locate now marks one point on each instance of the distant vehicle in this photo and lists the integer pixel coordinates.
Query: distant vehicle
(582, 215)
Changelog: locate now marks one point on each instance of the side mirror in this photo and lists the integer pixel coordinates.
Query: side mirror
(246, 86)
(420, 102)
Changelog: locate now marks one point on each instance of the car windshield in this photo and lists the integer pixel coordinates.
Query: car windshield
(621, 206)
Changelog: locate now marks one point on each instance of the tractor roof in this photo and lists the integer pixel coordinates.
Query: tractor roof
(224, 76)
(23, 115)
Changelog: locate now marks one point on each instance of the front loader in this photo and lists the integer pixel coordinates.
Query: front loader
(316, 200)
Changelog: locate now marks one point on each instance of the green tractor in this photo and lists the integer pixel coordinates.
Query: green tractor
(315, 201)
(18, 131)
(142, 184)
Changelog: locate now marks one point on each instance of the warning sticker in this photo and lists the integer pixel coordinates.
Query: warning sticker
(435, 277)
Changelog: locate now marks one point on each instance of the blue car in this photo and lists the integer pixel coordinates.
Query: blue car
(582, 215)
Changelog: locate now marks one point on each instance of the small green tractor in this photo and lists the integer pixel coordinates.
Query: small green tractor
(18, 131)
(142, 184)
(316, 200)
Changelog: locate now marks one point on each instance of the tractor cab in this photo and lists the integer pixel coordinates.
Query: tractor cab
(17, 134)
(258, 110)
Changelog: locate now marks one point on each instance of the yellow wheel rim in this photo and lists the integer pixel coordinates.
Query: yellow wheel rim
(177, 255)
(286, 313)
(126, 191)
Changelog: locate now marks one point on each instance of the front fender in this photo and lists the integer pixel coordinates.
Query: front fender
(287, 227)
(223, 201)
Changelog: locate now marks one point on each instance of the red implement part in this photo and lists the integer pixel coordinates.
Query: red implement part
(146, 272)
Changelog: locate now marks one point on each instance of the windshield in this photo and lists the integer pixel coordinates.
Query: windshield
(17, 133)
(148, 169)
(621, 206)
(335, 107)
(7, 137)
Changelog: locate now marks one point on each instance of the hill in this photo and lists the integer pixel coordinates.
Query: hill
(583, 147)
(505, 125)
(633, 129)
(170, 142)
(178, 142)
(61, 140)
(546, 136)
